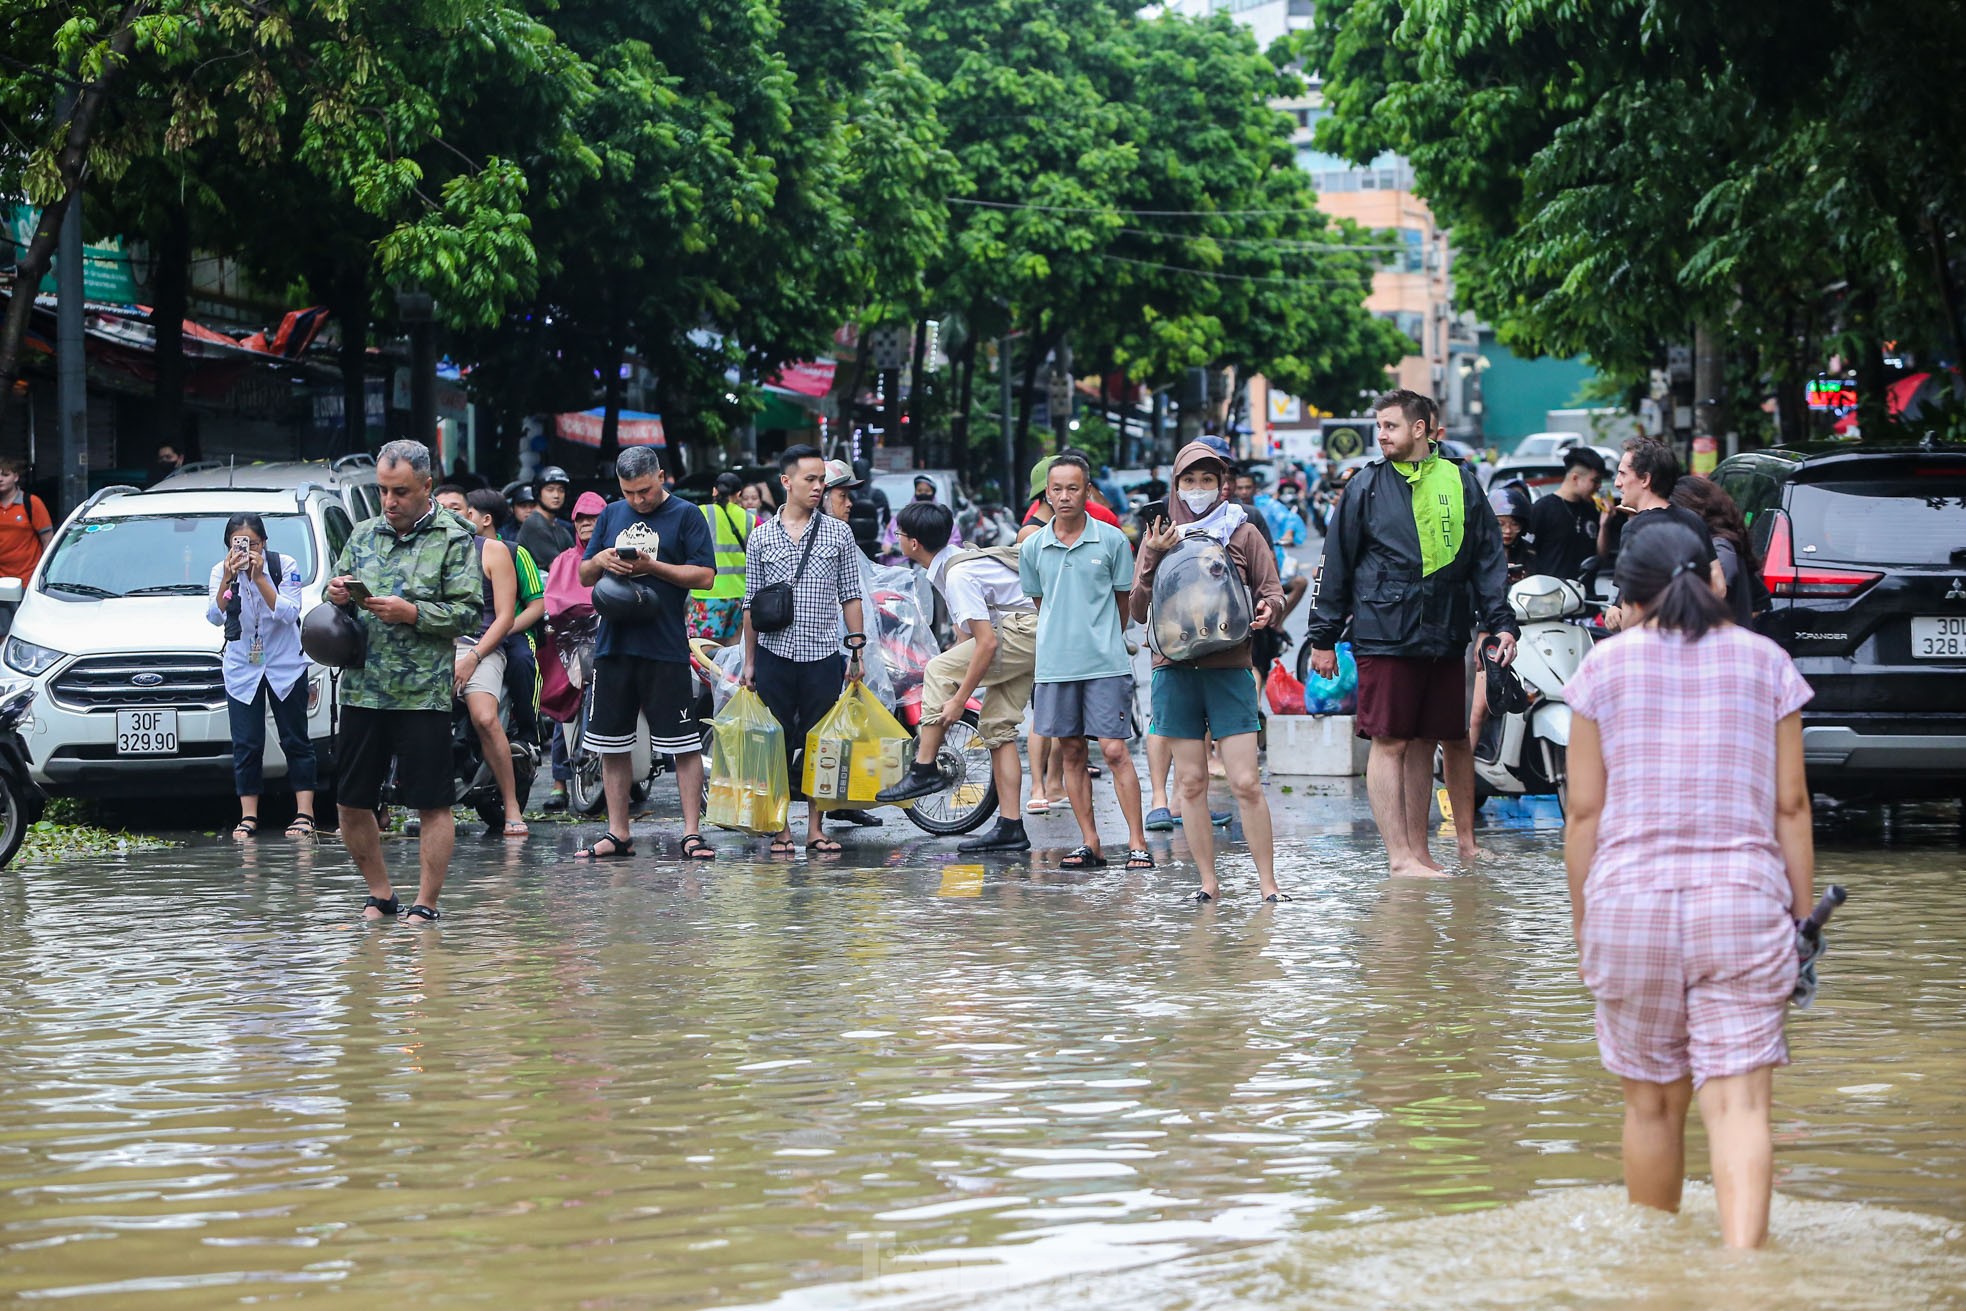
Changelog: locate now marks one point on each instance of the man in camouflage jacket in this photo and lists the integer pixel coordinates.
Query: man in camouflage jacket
(423, 590)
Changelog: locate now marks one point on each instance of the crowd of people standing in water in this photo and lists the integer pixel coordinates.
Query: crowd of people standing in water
(1685, 918)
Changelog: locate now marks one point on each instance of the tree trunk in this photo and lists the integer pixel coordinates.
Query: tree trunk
(1948, 292)
(612, 347)
(917, 377)
(69, 166)
(1041, 346)
(1873, 407)
(172, 295)
(348, 295)
(1709, 382)
(959, 422)
(611, 400)
(1791, 393)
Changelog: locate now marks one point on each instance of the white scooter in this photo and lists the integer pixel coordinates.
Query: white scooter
(1524, 754)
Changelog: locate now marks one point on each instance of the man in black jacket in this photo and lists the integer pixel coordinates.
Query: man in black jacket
(1413, 557)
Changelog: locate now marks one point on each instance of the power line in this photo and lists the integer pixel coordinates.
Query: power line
(1140, 213)
(1232, 277)
(1276, 243)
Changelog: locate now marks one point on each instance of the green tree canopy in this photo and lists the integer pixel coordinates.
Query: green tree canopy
(1788, 174)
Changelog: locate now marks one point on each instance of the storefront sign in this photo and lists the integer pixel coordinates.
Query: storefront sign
(105, 264)
(583, 428)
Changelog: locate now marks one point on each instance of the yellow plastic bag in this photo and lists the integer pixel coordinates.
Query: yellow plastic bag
(750, 786)
(857, 749)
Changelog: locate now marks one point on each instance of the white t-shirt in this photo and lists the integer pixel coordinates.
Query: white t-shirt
(977, 589)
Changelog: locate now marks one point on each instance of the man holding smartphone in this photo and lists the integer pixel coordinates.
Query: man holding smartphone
(642, 668)
(411, 578)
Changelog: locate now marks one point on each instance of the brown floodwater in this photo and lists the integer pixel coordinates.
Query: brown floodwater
(889, 1081)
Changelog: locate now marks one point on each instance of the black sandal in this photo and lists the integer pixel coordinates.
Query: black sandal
(428, 914)
(1140, 858)
(592, 851)
(250, 824)
(1275, 897)
(824, 847)
(1083, 858)
(304, 822)
(1202, 898)
(697, 847)
(390, 909)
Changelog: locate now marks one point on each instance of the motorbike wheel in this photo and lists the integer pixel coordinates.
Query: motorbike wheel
(14, 822)
(1304, 674)
(525, 766)
(971, 797)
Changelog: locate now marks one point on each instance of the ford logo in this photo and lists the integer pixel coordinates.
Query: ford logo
(147, 680)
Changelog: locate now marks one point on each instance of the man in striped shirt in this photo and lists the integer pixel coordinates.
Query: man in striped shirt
(799, 670)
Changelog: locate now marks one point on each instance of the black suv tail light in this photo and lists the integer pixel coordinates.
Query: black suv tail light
(1786, 578)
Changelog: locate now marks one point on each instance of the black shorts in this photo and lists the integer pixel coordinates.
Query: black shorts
(417, 741)
(661, 691)
(798, 693)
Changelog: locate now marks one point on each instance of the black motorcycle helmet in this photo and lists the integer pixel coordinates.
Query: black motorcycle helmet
(551, 474)
(624, 601)
(333, 638)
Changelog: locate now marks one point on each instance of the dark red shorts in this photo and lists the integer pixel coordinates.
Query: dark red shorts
(1412, 699)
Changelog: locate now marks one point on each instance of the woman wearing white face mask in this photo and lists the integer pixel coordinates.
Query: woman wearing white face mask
(1214, 695)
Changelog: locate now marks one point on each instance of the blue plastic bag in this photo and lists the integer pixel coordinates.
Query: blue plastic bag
(1337, 695)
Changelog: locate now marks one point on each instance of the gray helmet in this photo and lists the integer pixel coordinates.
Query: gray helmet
(333, 638)
(624, 601)
(553, 473)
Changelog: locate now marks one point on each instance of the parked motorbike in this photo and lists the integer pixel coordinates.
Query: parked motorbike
(1524, 754)
(21, 799)
(584, 790)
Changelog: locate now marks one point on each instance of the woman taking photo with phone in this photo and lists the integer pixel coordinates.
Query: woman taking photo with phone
(255, 598)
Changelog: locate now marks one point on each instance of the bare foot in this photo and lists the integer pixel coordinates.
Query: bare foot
(1472, 855)
(1415, 870)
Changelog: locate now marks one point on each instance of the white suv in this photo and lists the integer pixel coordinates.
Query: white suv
(112, 631)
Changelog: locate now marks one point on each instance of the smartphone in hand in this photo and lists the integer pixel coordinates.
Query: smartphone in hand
(627, 553)
(358, 592)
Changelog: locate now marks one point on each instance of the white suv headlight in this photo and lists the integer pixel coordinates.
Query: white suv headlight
(30, 659)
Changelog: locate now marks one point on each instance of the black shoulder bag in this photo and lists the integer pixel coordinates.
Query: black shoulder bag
(773, 606)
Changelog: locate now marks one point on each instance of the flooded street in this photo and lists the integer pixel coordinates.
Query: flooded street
(886, 1080)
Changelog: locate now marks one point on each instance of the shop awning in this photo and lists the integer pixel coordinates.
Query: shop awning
(804, 378)
(636, 428)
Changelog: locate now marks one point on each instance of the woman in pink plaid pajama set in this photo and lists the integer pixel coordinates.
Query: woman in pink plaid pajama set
(1690, 859)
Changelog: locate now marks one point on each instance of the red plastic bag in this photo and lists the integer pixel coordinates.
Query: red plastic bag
(1285, 693)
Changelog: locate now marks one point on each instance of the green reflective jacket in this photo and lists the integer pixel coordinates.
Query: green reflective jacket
(410, 665)
(731, 526)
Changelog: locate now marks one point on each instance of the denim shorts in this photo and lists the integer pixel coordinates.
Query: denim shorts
(1198, 703)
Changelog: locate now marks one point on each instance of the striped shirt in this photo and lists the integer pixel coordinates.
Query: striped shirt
(831, 579)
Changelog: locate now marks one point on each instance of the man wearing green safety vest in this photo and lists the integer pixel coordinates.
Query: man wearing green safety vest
(1414, 560)
(716, 612)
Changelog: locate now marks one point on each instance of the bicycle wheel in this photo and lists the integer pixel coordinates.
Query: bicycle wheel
(970, 798)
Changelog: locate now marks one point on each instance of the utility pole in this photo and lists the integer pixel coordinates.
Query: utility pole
(71, 364)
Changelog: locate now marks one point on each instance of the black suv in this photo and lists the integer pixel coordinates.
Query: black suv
(1864, 553)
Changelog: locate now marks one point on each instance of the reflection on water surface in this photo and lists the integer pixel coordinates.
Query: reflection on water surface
(654, 1086)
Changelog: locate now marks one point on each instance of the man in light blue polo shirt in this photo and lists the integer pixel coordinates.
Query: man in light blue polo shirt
(1078, 570)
